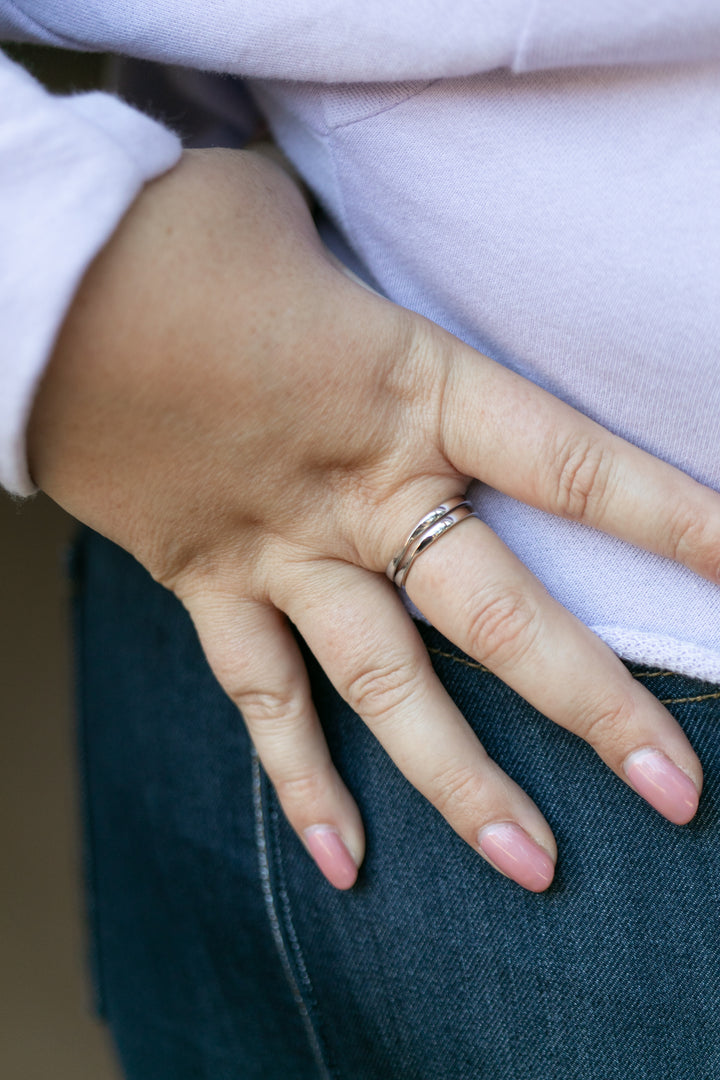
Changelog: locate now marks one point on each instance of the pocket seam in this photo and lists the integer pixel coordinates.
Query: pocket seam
(279, 916)
(637, 675)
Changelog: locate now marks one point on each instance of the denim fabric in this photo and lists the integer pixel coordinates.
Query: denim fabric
(220, 953)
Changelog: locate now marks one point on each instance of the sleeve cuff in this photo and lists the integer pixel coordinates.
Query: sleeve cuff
(70, 168)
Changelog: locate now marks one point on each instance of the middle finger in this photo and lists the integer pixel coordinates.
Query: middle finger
(480, 596)
(357, 628)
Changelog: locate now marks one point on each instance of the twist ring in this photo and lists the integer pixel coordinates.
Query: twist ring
(429, 529)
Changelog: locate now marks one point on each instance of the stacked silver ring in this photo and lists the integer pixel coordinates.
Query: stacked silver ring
(429, 529)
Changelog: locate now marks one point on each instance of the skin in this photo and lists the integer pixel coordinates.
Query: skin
(262, 433)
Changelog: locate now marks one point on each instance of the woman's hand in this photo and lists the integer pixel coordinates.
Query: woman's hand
(263, 433)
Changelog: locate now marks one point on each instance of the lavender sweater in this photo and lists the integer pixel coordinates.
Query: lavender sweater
(540, 178)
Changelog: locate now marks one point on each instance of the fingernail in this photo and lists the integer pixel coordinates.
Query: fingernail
(665, 787)
(512, 851)
(332, 857)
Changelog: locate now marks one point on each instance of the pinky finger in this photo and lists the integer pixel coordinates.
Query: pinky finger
(256, 660)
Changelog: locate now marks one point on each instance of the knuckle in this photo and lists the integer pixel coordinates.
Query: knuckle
(686, 532)
(605, 725)
(273, 710)
(304, 787)
(582, 477)
(376, 691)
(456, 788)
(503, 627)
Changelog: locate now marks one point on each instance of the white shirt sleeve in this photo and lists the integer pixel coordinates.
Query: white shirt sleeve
(373, 40)
(69, 169)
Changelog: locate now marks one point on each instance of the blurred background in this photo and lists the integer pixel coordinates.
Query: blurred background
(47, 1027)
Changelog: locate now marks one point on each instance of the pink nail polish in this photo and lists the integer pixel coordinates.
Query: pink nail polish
(511, 850)
(332, 857)
(665, 787)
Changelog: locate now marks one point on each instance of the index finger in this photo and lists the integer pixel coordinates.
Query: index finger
(523, 441)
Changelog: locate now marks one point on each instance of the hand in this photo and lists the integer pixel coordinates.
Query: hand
(262, 433)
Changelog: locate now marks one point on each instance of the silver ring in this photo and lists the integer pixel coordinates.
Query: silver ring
(429, 529)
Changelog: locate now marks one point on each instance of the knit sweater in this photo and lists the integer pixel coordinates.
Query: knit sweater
(539, 180)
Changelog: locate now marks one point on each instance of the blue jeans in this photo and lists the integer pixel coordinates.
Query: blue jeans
(220, 953)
